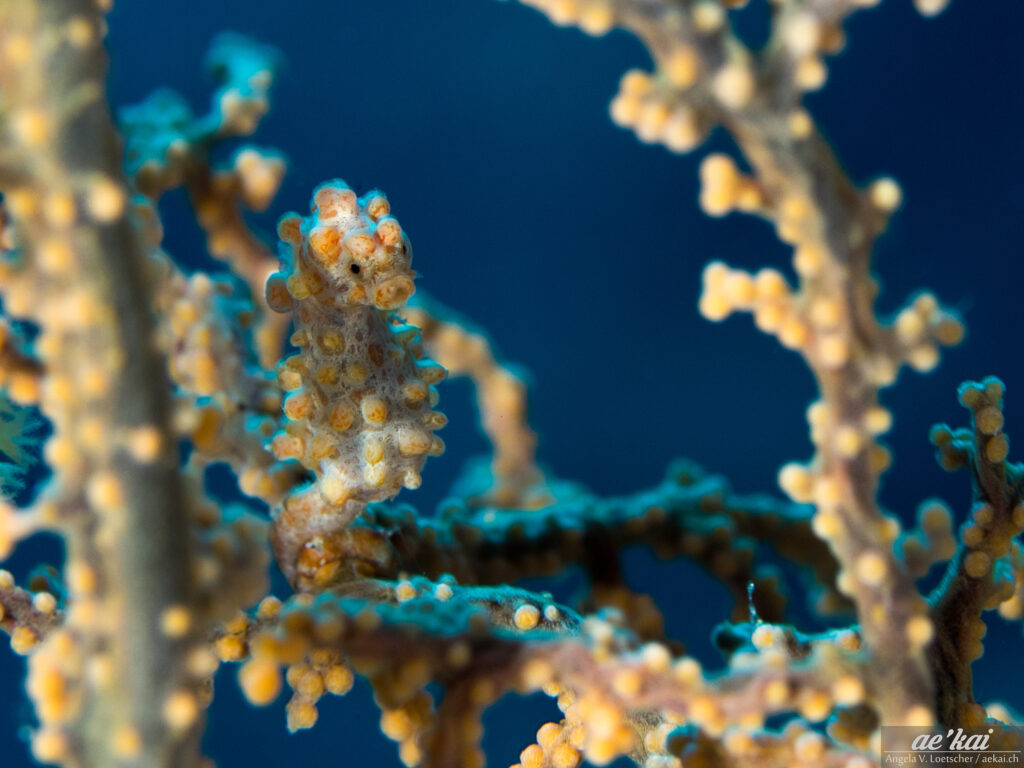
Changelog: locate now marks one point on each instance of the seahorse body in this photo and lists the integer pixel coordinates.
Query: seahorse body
(360, 393)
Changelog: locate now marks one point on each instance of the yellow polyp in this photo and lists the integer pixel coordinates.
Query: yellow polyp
(339, 680)
(526, 617)
(360, 245)
(548, 734)
(105, 200)
(23, 640)
(977, 564)
(733, 85)
(627, 683)
(181, 710)
(997, 448)
(126, 742)
(287, 446)
(105, 491)
(624, 110)
(44, 602)
(279, 298)
(175, 621)
(60, 209)
(49, 745)
(55, 255)
(682, 67)
(872, 569)
(375, 475)
(298, 406)
(331, 342)
(298, 286)
(719, 184)
(809, 747)
(229, 648)
(334, 489)
(739, 288)
(714, 307)
(651, 120)
(816, 706)
(849, 441)
(443, 592)
(879, 458)
(636, 82)
(532, 757)
(877, 420)
(766, 636)
(389, 232)
(919, 631)
(596, 19)
(310, 686)
(393, 293)
(411, 480)
(325, 242)
(708, 16)
(834, 350)
(810, 73)
(922, 717)
(31, 126)
(374, 410)
(373, 451)
(378, 207)
(949, 331)
(80, 577)
(327, 375)
(289, 380)
(794, 334)
(355, 373)
(797, 482)
(342, 417)
(923, 358)
(322, 447)
(886, 195)
(771, 285)
(738, 743)
(848, 691)
(302, 715)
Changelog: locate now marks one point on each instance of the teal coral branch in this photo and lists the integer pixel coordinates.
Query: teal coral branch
(691, 514)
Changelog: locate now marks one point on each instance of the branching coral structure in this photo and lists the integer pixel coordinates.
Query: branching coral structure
(311, 369)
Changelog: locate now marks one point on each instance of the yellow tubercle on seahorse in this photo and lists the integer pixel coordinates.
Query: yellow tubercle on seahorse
(360, 392)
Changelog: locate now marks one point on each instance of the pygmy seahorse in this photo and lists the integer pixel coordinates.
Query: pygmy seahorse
(360, 392)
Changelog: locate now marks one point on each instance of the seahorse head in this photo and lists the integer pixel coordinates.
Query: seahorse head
(350, 251)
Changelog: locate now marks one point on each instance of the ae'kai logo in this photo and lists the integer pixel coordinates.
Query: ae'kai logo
(988, 745)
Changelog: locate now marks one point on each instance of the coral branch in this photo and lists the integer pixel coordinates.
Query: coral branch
(168, 147)
(690, 514)
(515, 481)
(705, 76)
(82, 282)
(985, 573)
(27, 620)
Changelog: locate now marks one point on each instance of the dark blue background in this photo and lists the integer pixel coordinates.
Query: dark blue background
(581, 249)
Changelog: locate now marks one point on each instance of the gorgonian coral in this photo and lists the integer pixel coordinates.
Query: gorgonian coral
(311, 380)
